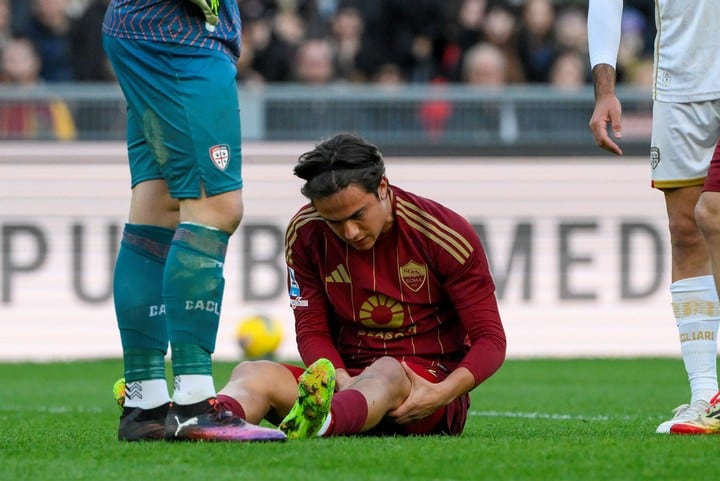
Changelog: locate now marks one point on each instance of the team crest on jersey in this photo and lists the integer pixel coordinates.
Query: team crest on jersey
(654, 157)
(413, 275)
(220, 155)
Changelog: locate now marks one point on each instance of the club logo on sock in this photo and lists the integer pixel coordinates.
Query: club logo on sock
(220, 155)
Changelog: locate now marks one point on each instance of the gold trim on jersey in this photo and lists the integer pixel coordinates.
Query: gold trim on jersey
(449, 239)
(301, 218)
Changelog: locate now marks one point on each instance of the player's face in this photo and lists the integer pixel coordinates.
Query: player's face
(356, 216)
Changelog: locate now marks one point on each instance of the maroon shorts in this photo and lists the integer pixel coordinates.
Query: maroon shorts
(712, 181)
(448, 419)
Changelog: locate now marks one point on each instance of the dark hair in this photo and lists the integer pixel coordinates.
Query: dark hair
(336, 163)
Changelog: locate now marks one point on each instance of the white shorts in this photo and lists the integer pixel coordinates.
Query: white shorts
(684, 136)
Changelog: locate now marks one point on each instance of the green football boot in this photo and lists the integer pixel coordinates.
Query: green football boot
(315, 391)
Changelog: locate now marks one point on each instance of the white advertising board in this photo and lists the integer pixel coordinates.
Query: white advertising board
(578, 246)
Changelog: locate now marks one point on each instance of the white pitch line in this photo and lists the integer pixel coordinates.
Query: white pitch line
(52, 409)
(555, 417)
(486, 414)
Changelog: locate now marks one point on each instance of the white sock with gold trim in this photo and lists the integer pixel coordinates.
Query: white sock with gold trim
(697, 313)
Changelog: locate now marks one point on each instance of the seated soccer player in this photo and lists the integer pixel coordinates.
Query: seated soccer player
(395, 309)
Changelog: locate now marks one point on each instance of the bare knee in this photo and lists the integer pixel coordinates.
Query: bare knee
(246, 371)
(707, 211)
(222, 211)
(387, 370)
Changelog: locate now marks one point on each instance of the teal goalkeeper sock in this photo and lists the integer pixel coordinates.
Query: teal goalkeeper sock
(193, 286)
(138, 300)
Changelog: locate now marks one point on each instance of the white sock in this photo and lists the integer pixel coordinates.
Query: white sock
(146, 394)
(323, 429)
(697, 312)
(193, 388)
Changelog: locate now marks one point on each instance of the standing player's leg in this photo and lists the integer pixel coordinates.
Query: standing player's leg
(679, 170)
(187, 106)
(708, 218)
(137, 281)
(196, 129)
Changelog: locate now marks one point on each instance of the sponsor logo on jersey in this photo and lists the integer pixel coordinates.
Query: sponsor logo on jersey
(220, 155)
(381, 312)
(298, 302)
(339, 275)
(294, 288)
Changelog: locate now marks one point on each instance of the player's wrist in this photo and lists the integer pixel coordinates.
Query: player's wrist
(603, 80)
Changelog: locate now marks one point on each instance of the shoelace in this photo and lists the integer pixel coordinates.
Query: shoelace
(224, 415)
(689, 410)
(715, 399)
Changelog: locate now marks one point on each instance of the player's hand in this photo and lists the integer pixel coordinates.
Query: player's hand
(423, 400)
(210, 9)
(607, 111)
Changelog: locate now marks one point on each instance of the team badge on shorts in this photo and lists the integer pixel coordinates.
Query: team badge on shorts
(220, 155)
(654, 157)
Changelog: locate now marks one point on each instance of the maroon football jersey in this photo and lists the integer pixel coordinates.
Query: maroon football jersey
(422, 293)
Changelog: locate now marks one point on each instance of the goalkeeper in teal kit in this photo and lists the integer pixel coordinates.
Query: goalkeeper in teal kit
(175, 63)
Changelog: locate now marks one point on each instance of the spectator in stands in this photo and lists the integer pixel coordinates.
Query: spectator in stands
(642, 72)
(389, 74)
(314, 63)
(536, 41)
(49, 30)
(38, 117)
(485, 65)
(571, 30)
(274, 42)
(246, 73)
(632, 42)
(20, 12)
(89, 62)
(569, 71)
(5, 23)
(571, 35)
(501, 27)
(470, 23)
(416, 33)
(425, 38)
(355, 59)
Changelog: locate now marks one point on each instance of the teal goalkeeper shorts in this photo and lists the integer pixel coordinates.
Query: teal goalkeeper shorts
(183, 118)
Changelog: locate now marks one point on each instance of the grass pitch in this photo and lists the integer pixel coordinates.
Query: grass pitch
(534, 420)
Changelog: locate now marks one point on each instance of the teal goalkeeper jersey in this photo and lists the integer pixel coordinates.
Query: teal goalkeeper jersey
(175, 22)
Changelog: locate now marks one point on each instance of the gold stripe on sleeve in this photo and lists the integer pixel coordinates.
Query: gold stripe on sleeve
(447, 238)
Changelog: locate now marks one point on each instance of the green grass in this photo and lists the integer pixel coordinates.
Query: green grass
(535, 420)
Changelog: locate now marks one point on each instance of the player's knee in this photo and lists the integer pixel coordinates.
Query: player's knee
(684, 232)
(387, 368)
(248, 370)
(231, 210)
(707, 211)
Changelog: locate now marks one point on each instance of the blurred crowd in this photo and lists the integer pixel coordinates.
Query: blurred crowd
(322, 41)
(316, 42)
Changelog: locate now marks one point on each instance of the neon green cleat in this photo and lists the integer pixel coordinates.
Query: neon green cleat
(315, 391)
(118, 390)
